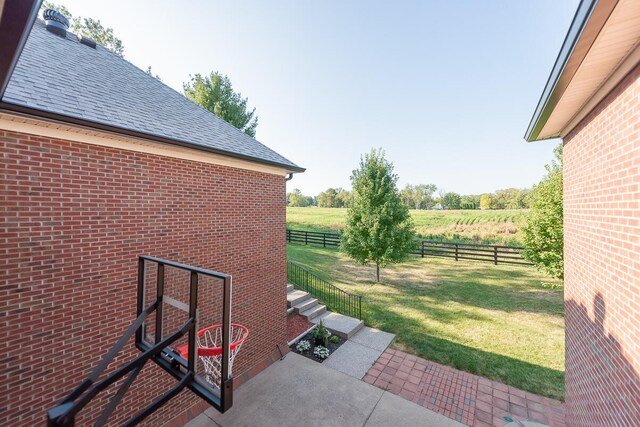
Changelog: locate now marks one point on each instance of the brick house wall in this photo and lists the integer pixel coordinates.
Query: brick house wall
(74, 219)
(602, 262)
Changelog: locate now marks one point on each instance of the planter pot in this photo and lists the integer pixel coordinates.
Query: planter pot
(320, 341)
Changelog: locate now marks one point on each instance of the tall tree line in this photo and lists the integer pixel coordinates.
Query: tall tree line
(422, 196)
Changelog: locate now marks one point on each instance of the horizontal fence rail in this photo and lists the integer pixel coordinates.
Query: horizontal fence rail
(466, 251)
(331, 240)
(335, 298)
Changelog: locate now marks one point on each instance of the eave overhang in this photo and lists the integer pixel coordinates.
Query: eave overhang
(29, 112)
(16, 19)
(601, 47)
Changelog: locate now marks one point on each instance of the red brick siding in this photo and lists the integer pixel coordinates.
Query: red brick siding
(74, 219)
(602, 262)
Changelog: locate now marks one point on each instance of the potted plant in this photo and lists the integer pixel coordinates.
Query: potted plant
(321, 335)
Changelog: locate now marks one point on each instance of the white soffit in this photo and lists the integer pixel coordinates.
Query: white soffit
(614, 53)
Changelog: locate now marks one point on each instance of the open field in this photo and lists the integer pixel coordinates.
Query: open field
(491, 227)
(494, 321)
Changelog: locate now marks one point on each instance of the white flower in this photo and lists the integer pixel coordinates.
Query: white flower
(321, 352)
(303, 346)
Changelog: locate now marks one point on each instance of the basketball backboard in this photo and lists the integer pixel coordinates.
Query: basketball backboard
(174, 302)
(183, 292)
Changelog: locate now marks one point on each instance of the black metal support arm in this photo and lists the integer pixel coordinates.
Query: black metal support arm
(160, 352)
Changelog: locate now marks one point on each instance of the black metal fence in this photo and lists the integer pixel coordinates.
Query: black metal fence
(467, 251)
(333, 297)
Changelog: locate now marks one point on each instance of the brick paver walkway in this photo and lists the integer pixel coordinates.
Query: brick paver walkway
(467, 398)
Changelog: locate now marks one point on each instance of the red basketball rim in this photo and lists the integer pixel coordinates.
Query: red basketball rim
(214, 351)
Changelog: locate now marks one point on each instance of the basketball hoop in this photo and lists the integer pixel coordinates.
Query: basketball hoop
(209, 349)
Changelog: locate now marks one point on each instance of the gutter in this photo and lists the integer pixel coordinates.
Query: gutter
(16, 19)
(587, 23)
(30, 112)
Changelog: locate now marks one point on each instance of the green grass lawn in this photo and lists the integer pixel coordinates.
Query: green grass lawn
(497, 227)
(494, 321)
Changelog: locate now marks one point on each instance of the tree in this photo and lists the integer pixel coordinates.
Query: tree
(423, 195)
(451, 201)
(470, 202)
(297, 199)
(486, 201)
(344, 199)
(215, 93)
(522, 199)
(327, 199)
(542, 234)
(441, 194)
(418, 196)
(510, 198)
(379, 229)
(335, 198)
(407, 195)
(150, 72)
(91, 28)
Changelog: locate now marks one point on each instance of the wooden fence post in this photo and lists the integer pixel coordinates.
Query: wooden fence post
(324, 240)
(422, 249)
(495, 255)
(306, 235)
(456, 252)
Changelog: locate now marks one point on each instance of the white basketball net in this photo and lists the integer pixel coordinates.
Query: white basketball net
(212, 338)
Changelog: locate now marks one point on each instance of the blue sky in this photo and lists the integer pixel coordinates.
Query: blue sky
(447, 89)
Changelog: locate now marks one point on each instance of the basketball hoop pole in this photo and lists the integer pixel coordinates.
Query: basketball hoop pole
(226, 383)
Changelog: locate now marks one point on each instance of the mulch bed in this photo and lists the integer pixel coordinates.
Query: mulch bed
(309, 353)
(296, 325)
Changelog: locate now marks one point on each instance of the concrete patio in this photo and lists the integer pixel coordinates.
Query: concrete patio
(299, 391)
(356, 356)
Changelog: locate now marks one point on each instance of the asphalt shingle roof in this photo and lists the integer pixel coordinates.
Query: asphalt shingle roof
(64, 77)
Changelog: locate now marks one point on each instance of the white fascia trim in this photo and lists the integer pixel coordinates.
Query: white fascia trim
(55, 130)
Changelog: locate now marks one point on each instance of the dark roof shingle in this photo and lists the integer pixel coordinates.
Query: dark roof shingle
(64, 77)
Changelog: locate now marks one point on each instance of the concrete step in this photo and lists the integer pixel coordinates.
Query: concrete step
(296, 297)
(314, 312)
(339, 324)
(289, 287)
(305, 305)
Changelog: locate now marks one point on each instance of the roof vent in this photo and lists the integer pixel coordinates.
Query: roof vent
(87, 41)
(56, 22)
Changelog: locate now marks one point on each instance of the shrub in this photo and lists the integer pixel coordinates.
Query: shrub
(335, 339)
(321, 352)
(543, 233)
(303, 346)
